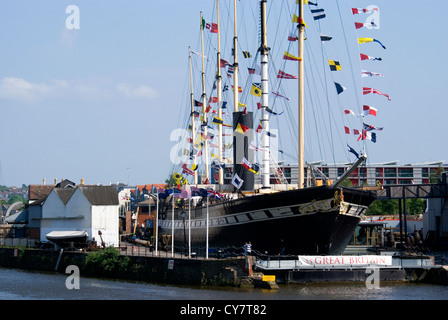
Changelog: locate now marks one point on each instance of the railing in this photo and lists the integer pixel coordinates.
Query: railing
(280, 263)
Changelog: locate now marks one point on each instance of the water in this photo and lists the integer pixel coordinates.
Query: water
(28, 285)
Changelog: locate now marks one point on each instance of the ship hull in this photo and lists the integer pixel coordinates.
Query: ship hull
(307, 221)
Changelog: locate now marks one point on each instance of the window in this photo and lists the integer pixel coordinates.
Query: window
(390, 172)
(405, 172)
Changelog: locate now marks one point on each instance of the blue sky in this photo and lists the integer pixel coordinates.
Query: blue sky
(100, 102)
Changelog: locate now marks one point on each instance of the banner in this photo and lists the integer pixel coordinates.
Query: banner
(345, 261)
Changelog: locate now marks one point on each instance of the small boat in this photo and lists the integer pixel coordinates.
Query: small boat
(68, 238)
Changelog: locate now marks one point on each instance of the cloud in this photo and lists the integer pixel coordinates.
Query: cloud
(142, 91)
(98, 89)
(25, 91)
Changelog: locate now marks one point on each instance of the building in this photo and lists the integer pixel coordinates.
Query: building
(82, 208)
(435, 220)
(370, 174)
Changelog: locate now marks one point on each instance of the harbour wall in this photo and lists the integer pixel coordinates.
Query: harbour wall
(225, 272)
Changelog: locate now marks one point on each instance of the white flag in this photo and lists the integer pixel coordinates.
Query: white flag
(237, 181)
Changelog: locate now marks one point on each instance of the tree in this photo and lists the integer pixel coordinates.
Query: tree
(16, 198)
(383, 207)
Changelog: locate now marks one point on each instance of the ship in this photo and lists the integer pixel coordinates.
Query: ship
(303, 220)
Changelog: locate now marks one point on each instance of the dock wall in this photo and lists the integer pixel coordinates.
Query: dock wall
(225, 272)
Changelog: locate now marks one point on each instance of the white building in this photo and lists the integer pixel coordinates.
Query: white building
(82, 208)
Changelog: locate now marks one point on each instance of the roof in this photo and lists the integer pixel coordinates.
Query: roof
(39, 191)
(64, 194)
(101, 195)
(149, 186)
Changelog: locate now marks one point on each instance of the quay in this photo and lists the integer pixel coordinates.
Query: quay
(238, 271)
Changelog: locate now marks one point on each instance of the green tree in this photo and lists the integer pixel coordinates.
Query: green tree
(16, 198)
(383, 207)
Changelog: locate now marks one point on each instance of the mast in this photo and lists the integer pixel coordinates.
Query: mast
(193, 127)
(235, 63)
(264, 97)
(204, 102)
(219, 96)
(301, 162)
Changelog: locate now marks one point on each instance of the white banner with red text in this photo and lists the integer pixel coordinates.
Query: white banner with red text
(345, 261)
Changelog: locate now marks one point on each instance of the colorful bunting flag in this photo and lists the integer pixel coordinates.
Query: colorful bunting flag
(366, 40)
(256, 89)
(360, 10)
(288, 56)
(292, 37)
(367, 135)
(239, 89)
(334, 65)
(371, 25)
(246, 54)
(255, 168)
(237, 181)
(365, 73)
(366, 57)
(350, 149)
(371, 90)
(368, 110)
(339, 88)
(325, 38)
(318, 13)
(217, 120)
(241, 128)
(277, 94)
(256, 70)
(368, 127)
(283, 75)
(186, 170)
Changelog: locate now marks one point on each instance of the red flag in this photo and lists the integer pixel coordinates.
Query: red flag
(224, 63)
(284, 75)
(371, 90)
(368, 110)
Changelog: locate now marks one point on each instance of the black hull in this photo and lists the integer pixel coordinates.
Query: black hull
(307, 222)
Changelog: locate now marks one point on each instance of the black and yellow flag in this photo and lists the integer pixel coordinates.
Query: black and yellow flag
(256, 89)
(334, 65)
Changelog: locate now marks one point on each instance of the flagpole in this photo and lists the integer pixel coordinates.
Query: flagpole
(204, 114)
(206, 237)
(157, 223)
(221, 170)
(189, 223)
(301, 163)
(264, 97)
(193, 127)
(172, 227)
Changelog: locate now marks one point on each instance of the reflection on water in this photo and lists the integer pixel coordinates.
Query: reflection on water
(28, 285)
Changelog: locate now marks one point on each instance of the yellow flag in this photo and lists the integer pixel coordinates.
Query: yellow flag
(334, 65)
(296, 19)
(364, 40)
(256, 89)
(288, 56)
(241, 128)
(177, 177)
(241, 105)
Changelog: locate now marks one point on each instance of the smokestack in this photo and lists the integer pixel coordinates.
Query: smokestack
(82, 181)
(43, 182)
(55, 181)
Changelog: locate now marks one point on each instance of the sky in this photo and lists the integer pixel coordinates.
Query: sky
(99, 101)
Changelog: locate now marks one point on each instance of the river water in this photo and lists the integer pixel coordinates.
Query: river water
(18, 284)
